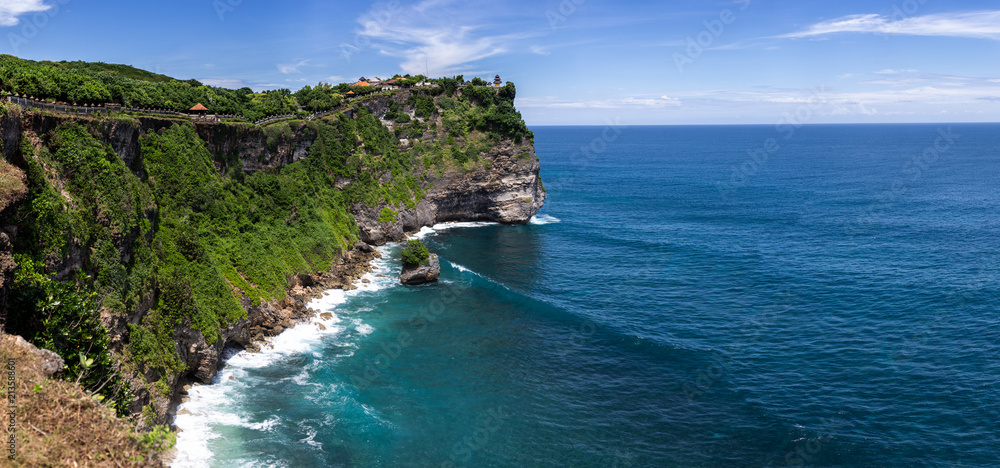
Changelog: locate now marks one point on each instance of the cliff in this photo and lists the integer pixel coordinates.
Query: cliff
(181, 239)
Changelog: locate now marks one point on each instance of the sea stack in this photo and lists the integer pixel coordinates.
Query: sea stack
(419, 274)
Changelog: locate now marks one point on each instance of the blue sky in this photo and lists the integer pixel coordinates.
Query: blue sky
(573, 61)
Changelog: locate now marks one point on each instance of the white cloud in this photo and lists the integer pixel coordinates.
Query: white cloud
(540, 50)
(438, 37)
(230, 83)
(978, 24)
(11, 9)
(290, 68)
(890, 71)
(928, 96)
(909, 78)
(630, 102)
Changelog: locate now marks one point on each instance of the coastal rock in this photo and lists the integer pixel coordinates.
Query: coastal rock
(49, 362)
(375, 232)
(197, 354)
(420, 274)
(509, 192)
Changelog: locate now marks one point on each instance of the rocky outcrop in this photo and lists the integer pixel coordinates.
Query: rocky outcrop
(376, 232)
(413, 275)
(509, 192)
(249, 148)
(48, 362)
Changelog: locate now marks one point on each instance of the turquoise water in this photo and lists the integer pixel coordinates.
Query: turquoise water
(686, 298)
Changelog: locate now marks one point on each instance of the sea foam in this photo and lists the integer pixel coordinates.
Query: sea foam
(210, 407)
(544, 219)
(426, 231)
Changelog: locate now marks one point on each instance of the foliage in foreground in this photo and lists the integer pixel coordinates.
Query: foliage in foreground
(68, 322)
(78, 430)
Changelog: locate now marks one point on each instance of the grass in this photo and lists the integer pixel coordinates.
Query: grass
(78, 431)
(13, 184)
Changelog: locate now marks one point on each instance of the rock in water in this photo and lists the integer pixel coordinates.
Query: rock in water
(420, 274)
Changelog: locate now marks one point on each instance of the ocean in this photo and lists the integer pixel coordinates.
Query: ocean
(689, 296)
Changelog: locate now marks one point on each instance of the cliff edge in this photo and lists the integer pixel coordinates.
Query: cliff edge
(171, 240)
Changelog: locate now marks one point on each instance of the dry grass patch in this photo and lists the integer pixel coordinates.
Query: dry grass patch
(57, 424)
(12, 184)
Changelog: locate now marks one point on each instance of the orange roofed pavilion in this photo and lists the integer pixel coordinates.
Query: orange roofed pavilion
(199, 108)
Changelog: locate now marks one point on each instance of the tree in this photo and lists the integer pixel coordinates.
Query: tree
(415, 253)
(508, 92)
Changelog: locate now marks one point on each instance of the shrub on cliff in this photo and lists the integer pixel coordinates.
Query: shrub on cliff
(415, 253)
(388, 215)
(67, 321)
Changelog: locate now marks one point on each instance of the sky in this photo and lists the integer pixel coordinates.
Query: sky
(574, 62)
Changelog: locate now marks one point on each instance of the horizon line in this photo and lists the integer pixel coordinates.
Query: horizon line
(766, 124)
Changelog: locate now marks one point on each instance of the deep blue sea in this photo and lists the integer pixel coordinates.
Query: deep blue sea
(718, 296)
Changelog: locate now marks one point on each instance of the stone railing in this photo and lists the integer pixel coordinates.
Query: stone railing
(28, 103)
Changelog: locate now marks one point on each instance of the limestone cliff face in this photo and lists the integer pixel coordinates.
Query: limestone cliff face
(506, 189)
(251, 148)
(509, 191)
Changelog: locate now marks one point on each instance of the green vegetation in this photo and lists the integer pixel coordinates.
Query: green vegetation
(216, 235)
(93, 204)
(415, 253)
(99, 83)
(185, 237)
(68, 322)
(424, 105)
(388, 215)
(477, 108)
